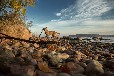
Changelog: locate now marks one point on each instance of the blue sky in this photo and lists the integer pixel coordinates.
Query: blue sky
(73, 16)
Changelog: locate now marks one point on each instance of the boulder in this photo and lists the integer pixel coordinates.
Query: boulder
(24, 70)
(4, 69)
(71, 68)
(56, 58)
(82, 64)
(78, 74)
(41, 73)
(63, 74)
(78, 68)
(43, 66)
(94, 68)
(107, 74)
(109, 64)
(16, 30)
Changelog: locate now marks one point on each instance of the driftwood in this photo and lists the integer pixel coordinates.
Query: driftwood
(29, 41)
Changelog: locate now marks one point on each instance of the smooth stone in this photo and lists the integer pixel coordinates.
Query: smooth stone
(82, 64)
(110, 64)
(107, 74)
(71, 67)
(41, 73)
(43, 66)
(63, 74)
(78, 74)
(24, 70)
(94, 68)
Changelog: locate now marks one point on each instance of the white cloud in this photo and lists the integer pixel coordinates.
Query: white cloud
(102, 23)
(67, 27)
(56, 20)
(84, 9)
(81, 17)
(58, 14)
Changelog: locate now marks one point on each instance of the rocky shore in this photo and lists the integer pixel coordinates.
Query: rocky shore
(64, 58)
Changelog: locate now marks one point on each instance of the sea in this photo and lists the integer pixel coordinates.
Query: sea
(110, 41)
(105, 39)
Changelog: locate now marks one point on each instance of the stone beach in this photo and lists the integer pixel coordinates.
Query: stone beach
(63, 58)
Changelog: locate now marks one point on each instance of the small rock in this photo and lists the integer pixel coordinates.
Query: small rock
(31, 49)
(63, 56)
(83, 56)
(78, 57)
(95, 57)
(36, 45)
(24, 44)
(17, 44)
(33, 61)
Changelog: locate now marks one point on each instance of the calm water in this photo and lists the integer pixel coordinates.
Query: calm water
(112, 39)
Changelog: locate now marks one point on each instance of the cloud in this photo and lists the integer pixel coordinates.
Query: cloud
(84, 16)
(97, 23)
(58, 14)
(67, 27)
(84, 9)
(56, 20)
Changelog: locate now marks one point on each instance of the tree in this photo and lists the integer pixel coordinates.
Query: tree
(13, 8)
(12, 14)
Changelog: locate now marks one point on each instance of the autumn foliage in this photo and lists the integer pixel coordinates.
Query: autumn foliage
(15, 6)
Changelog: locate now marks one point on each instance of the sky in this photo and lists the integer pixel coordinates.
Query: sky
(70, 17)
